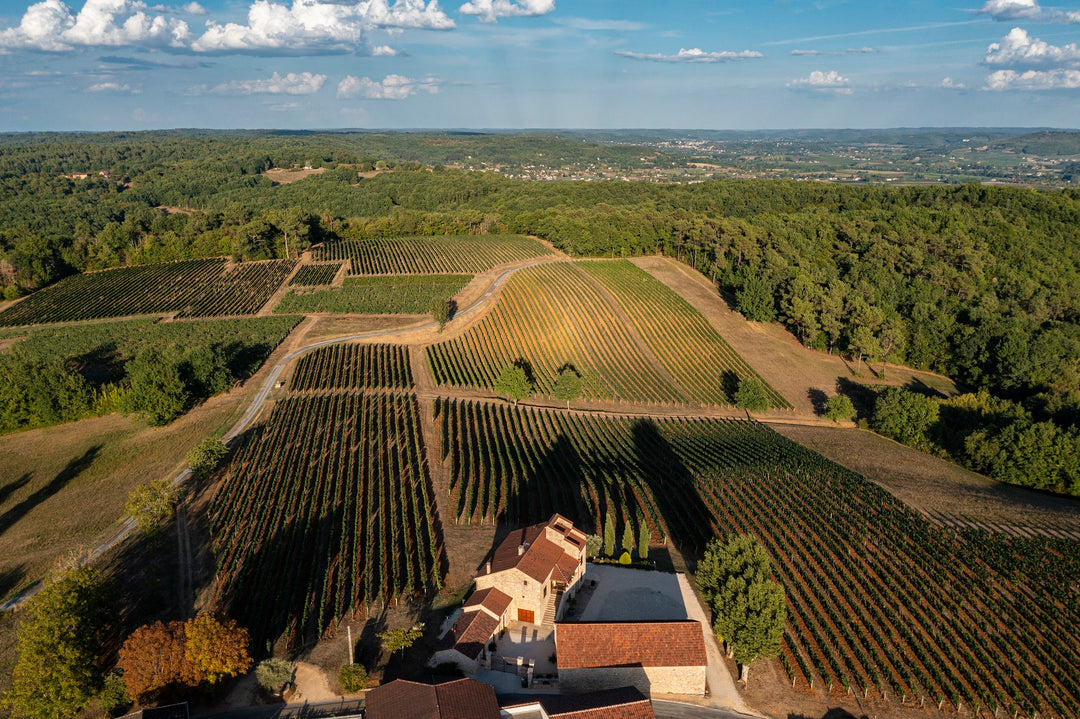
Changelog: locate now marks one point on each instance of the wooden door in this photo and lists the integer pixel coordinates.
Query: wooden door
(526, 615)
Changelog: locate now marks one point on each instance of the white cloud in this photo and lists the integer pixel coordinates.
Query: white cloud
(1026, 10)
(1019, 48)
(303, 83)
(492, 10)
(693, 55)
(50, 25)
(272, 27)
(112, 87)
(834, 53)
(392, 87)
(384, 51)
(830, 81)
(949, 84)
(1034, 80)
(314, 26)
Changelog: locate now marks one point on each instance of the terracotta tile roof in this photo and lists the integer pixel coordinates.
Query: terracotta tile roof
(458, 699)
(620, 703)
(491, 599)
(623, 644)
(540, 555)
(470, 633)
(565, 567)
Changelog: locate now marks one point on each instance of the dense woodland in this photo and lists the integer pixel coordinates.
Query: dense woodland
(979, 283)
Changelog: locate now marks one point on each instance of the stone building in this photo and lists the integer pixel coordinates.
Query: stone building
(660, 657)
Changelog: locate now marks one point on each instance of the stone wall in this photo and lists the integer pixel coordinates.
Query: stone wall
(649, 680)
(525, 592)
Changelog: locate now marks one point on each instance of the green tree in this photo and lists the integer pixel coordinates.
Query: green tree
(593, 545)
(907, 417)
(609, 536)
(755, 299)
(839, 408)
(150, 503)
(352, 678)
(273, 673)
(748, 607)
(440, 311)
(157, 389)
(59, 645)
(627, 537)
(394, 640)
(114, 697)
(205, 457)
(567, 386)
(513, 384)
(752, 394)
(643, 539)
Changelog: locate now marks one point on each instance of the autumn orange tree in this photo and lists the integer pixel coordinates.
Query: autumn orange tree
(203, 650)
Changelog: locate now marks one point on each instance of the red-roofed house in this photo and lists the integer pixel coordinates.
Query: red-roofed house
(535, 566)
(621, 703)
(656, 657)
(459, 699)
(524, 582)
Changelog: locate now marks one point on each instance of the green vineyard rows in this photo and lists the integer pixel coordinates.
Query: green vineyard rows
(881, 602)
(555, 315)
(678, 334)
(242, 291)
(323, 510)
(315, 275)
(191, 288)
(445, 254)
(350, 366)
(401, 294)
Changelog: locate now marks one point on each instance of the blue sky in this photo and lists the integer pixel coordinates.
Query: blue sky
(142, 64)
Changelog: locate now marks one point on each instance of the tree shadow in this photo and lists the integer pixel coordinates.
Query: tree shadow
(14, 486)
(10, 579)
(729, 381)
(918, 386)
(860, 395)
(526, 366)
(73, 469)
(451, 309)
(818, 399)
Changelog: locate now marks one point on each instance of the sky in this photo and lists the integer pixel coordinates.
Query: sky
(313, 64)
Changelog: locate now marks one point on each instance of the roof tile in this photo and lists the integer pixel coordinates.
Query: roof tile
(583, 645)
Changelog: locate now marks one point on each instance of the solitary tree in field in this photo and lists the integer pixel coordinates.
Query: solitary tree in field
(567, 386)
(748, 607)
(273, 673)
(513, 384)
(752, 394)
(440, 311)
(204, 457)
(609, 536)
(151, 503)
(394, 640)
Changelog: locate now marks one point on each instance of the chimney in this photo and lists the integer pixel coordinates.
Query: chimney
(521, 549)
(487, 567)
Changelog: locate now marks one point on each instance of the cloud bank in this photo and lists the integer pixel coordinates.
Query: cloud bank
(392, 87)
(693, 55)
(834, 53)
(819, 81)
(1034, 80)
(492, 10)
(1019, 48)
(303, 83)
(1026, 10)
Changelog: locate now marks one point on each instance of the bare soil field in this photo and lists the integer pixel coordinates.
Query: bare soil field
(283, 176)
(798, 373)
(935, 485)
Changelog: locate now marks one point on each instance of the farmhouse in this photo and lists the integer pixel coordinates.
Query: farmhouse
(524, 582)
(655, 657)
(459, 699)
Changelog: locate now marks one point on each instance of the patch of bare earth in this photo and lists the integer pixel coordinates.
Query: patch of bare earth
(283, 176)
(796, 372)
(935, 485)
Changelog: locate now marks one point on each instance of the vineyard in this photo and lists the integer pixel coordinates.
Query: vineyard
(551, 316)
(145, 289)
(444, 254)
(403, 294)
(678, 334)
(241, 291)
(191, 288)
(325, 509)
(881, 603)
(350, 366)
(315, 275)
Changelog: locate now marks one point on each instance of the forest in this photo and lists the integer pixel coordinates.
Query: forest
(979, 283)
